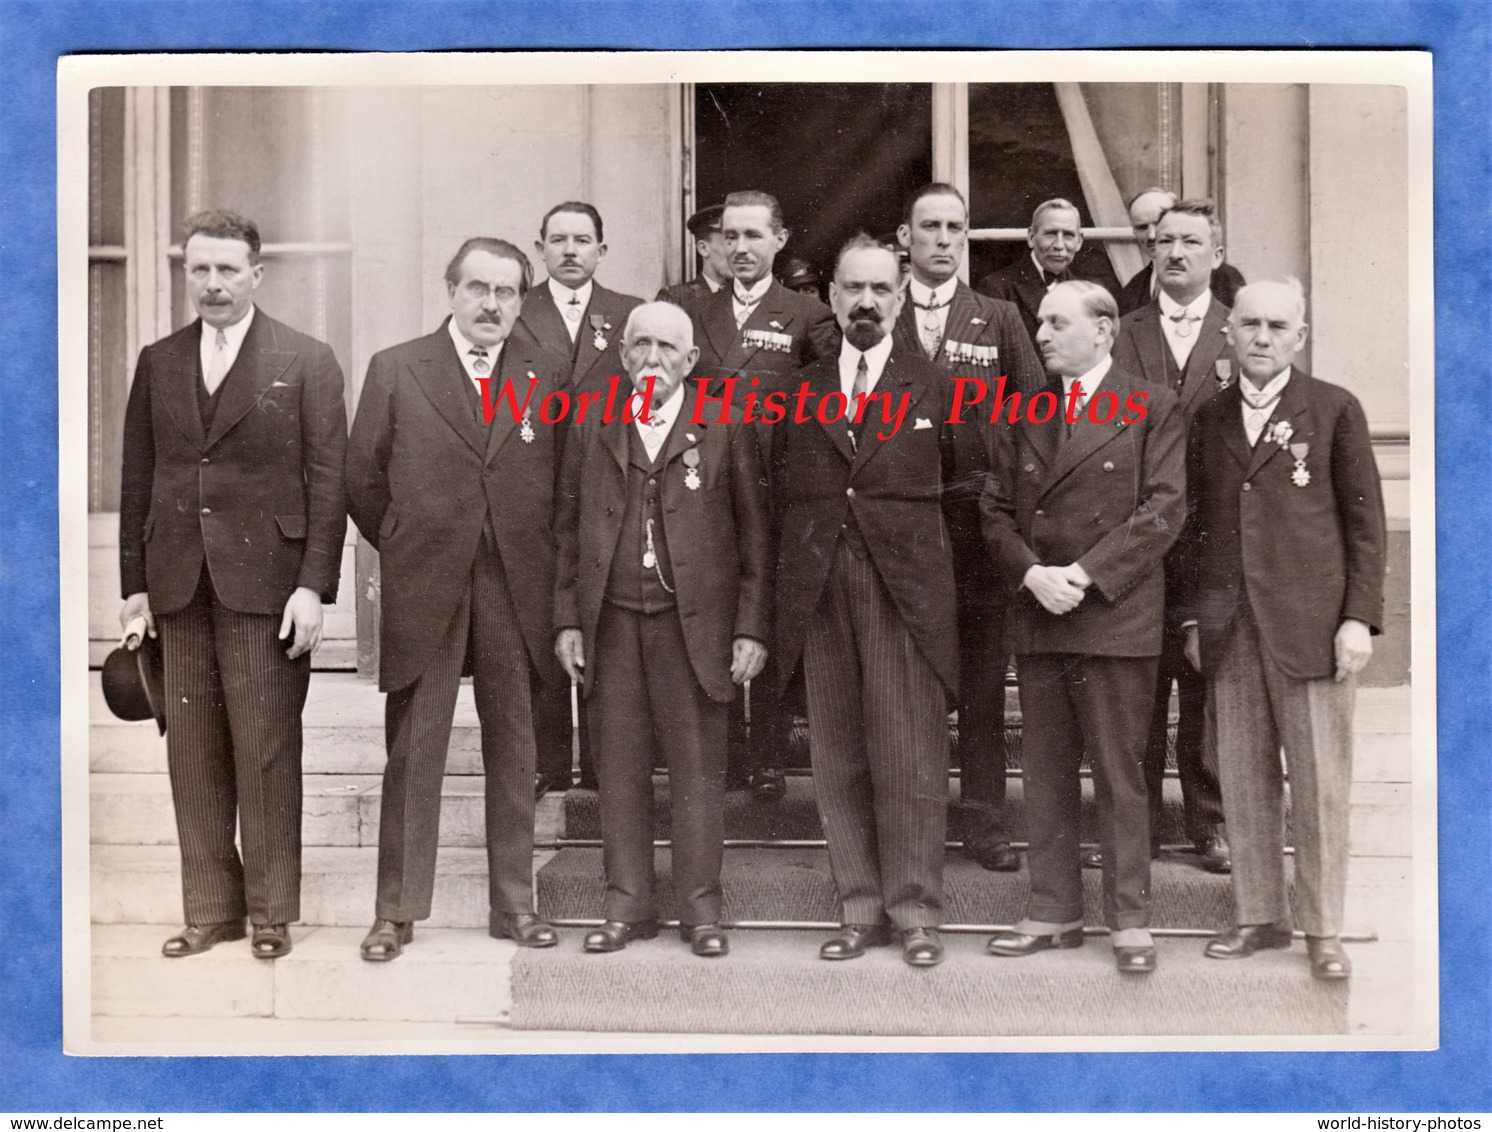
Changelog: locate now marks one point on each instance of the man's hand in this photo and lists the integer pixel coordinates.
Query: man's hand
(747, 659)
(137, 605)
(1077, 575)
(1054, 588)
(302, 620)
(1192, 650)
(569, 650)
(1354, 647)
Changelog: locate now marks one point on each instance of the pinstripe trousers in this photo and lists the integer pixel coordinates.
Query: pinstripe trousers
(417, 730)
(1259, 710)
(233, 750)
(878, 742)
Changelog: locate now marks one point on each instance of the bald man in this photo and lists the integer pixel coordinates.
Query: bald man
(662, 643)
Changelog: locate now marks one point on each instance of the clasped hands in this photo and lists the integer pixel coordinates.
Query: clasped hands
(747, 656)
(1060, 589)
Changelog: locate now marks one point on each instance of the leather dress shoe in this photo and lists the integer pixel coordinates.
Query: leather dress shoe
(544, 784)
(614, 935)
(768, 784)
(921, 947)
(523, 928)
(853, 939)
(1014, 944)
(1328, 960)
(1214, 855)
(1134, 960)
(386, 939)
(997, 857)
(706, 940)
(1241, 941)
(270, 941)
(197, 938)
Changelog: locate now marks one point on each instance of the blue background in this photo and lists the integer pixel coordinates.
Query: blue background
(34, 1074)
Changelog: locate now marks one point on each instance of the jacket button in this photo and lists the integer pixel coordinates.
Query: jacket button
(1248, 487)
(1039, 512)
(850, 492)
(1030, 467)
(205, 460)
(1108, 465)
(207, 510)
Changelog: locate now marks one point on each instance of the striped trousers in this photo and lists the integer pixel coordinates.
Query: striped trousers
(233, 750)
(878, 742)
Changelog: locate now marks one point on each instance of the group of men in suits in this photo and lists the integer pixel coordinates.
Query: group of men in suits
(662, 564)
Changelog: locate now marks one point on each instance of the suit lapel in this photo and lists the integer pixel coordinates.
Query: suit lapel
(258, 366)
(824, 379)
(600, 307)
(439, 375)
(1150, 342)
(1293, 404)
(615, 439)
(959, 326)
(1030, 286)
(678, 436)
(1087, 436)
(771, 309)
(1211, 342)
(545, 322)
(904, 335)
(719, 321)
(515, 365)
(895, 382)
(180, 379)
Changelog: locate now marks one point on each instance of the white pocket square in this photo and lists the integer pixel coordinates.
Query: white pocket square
(279, 385)
(922, 422)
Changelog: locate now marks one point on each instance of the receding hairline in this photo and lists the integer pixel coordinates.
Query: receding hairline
(661, 307)
(1056, 204)
(1289, 288)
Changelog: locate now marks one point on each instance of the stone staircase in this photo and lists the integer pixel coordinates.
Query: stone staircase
(455, 987)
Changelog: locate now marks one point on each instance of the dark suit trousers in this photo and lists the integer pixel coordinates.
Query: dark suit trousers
(1196, 752)
(417, 726)
(553, 733)
(233, 749)
(981, 723)
(1099, 704)
(878, 741)
(645, 702)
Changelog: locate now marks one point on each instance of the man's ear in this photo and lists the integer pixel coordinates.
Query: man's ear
(904, 235)
(600, 252)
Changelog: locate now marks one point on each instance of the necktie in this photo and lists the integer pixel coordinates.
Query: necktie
(929, 328)
(218, 368)
(480, 365)
(857, 398)
(1078, 406)
(745, 303)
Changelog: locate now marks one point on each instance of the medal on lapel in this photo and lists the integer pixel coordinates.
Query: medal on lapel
(1224, 368)
(691, 465)
(1300, 477)
(526, 428)
(599, 326)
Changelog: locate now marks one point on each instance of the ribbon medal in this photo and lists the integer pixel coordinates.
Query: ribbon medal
(599, 325)
(1224, 368)
(691, 464)
(1300, 477)
(526, 428)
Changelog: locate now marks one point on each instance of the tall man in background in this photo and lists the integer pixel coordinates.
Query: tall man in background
(971, 335)
(231, 523)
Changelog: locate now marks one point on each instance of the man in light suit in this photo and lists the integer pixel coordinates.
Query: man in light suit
(867, 604)
(1180, 341)
(576, 318)
(714, 261)
(459, 508)
(231, 522)
(1055, 237)
(1145, 210)
(1080, 506)
(1285, 592)
(969, 335)
(757, 331)
(662, 608)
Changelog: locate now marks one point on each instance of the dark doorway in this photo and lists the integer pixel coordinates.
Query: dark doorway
(839, 156)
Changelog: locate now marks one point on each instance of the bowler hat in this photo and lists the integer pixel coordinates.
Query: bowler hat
(134, 683)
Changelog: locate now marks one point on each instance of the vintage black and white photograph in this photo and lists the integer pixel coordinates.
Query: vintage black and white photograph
(713, 552)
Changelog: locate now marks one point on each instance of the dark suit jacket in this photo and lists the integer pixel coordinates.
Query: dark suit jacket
(1111, 498)
(1021, 284)
(258, 496)
(717, 535)
(686, 295)
(896, 490)
(723, 351)
(422, 477)
(1226, 282)
(1305, 558)
(604, 318)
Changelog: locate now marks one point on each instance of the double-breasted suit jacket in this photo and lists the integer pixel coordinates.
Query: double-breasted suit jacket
(595, 355)
(1305, 558)
(258, 496)
(717, 534)
(423, 475)
(784, 331)
(219, 525)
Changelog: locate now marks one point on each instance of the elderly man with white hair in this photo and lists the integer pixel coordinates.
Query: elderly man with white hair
(1283, 599)
(662, 608)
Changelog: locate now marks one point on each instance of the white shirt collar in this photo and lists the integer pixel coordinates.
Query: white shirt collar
(938, 296)
(561, 294)
(465, 345)
(1273, 389)
(661, 419)
(234, 335)
(1196, 308)
(756, 290)
(849, 362)
(1090, 380)
(711, 284)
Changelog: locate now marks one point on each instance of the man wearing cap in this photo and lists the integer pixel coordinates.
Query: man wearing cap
(662, 608)
(580, 321)
(969, 335)
(714, 264)
(1145, 210)
(232, 517)
(459, 508)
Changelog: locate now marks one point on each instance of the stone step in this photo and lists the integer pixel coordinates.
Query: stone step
(141, 884)
(773, 983)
